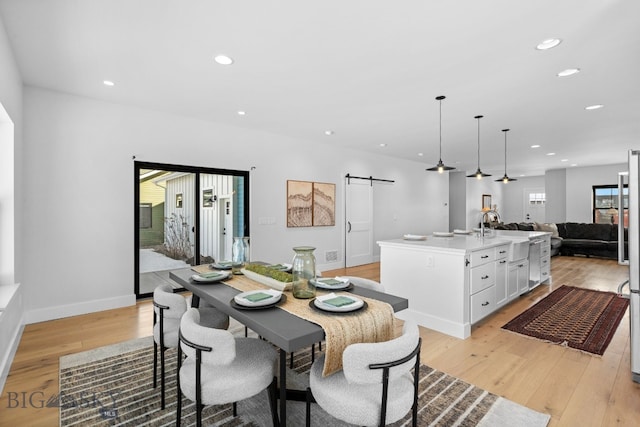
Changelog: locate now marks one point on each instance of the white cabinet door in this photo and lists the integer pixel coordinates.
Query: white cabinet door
(501, 282)
(523, 277)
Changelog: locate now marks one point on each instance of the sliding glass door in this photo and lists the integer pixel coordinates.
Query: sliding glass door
(185, 216)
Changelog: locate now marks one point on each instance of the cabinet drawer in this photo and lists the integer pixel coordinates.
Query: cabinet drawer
(544, 251)
(502, 252)
(482, 257)
(545, 268)
(482, 277)
(483, 303)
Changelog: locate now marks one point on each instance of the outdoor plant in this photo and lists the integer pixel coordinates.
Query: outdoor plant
(177, 242)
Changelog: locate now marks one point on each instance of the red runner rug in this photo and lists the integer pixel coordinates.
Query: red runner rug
(583, 319)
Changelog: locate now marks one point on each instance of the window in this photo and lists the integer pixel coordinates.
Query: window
(605, 204)
(145, 215)
(537, 199)
(208, 198)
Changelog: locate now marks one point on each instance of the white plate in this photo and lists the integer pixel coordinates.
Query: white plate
(215, 276)
(320, 283)
(283, 266)
(241, 298)
(414, 237)
(442, 234)
(357, 303)
(456, 231)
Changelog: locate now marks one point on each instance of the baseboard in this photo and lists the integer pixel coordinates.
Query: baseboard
(61, 311)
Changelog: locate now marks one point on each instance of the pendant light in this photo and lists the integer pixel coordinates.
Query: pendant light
(478, 173)
(505, 178)
(440, 167)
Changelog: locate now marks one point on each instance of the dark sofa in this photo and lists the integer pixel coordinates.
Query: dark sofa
(572, 238)
(600, 240)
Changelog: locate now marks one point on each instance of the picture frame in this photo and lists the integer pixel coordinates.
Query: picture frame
(311, 204)
(324, 204)
(486, 202)
(299, 203)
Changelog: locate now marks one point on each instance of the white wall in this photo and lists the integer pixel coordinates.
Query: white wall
(514, 196)
(79, 229)
(11, 306)
(555, 184)
(475, 188)
(10, 150)
(580, 192)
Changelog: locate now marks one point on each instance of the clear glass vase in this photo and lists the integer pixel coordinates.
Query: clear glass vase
(304, 270)
(238, 255)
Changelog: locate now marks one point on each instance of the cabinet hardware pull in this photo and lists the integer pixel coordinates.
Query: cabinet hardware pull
(520, 265)
(485, 277)
(484, 256)
(502, 262)
(466, 262)
(484, 304)
(503, 252)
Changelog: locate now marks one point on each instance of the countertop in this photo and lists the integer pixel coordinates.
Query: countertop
(457, 243)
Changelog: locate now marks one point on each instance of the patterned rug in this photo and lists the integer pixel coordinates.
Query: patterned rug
(113, 386)
(579, 318)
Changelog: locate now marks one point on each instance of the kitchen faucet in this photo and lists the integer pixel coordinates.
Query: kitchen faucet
(486, 214)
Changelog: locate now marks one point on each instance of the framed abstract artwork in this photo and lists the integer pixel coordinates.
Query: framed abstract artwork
(299, 204)
(310, 204)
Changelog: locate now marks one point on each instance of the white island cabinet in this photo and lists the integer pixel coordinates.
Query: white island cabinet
(450, 282)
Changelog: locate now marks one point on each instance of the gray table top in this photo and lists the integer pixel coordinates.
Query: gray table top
(286, 330)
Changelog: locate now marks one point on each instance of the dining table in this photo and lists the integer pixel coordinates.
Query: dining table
(283, 329)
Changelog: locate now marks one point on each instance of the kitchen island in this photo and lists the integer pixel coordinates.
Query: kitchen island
(450, 282)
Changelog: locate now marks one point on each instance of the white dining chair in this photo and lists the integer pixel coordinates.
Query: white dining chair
(365, 283)
(220, 368)
(375, 386)
(168, 308)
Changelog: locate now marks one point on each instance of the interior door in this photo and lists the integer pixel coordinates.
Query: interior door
(359, 222)
(534, 204)
(226, 230)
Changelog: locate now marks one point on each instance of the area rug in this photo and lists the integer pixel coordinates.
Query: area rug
(113, 386)
(584, 319)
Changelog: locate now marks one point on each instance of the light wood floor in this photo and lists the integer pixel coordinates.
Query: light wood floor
(576, 389)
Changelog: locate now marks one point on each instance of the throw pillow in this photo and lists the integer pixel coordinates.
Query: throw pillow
(548, 227)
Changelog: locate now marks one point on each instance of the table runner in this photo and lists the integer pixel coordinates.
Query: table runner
(374, 324)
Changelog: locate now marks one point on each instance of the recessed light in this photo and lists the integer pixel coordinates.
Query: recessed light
(420, 154)
(108, 83)
(535, 146)
(241, 113)
(568, 72)
(594, 107)
(383, 145)
(551, 154)
(564, 160)
(574, 164)
(328, 132)
(223, 60)
(548, 44)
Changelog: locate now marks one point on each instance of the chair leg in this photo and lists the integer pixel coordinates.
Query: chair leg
(155, 364)
(291, 361)
(308, 406)
(273, 401)
(313, 353)
(162, 383)
(235, 409)
(179, 391)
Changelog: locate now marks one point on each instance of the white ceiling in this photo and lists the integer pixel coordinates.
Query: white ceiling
(368, 69)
